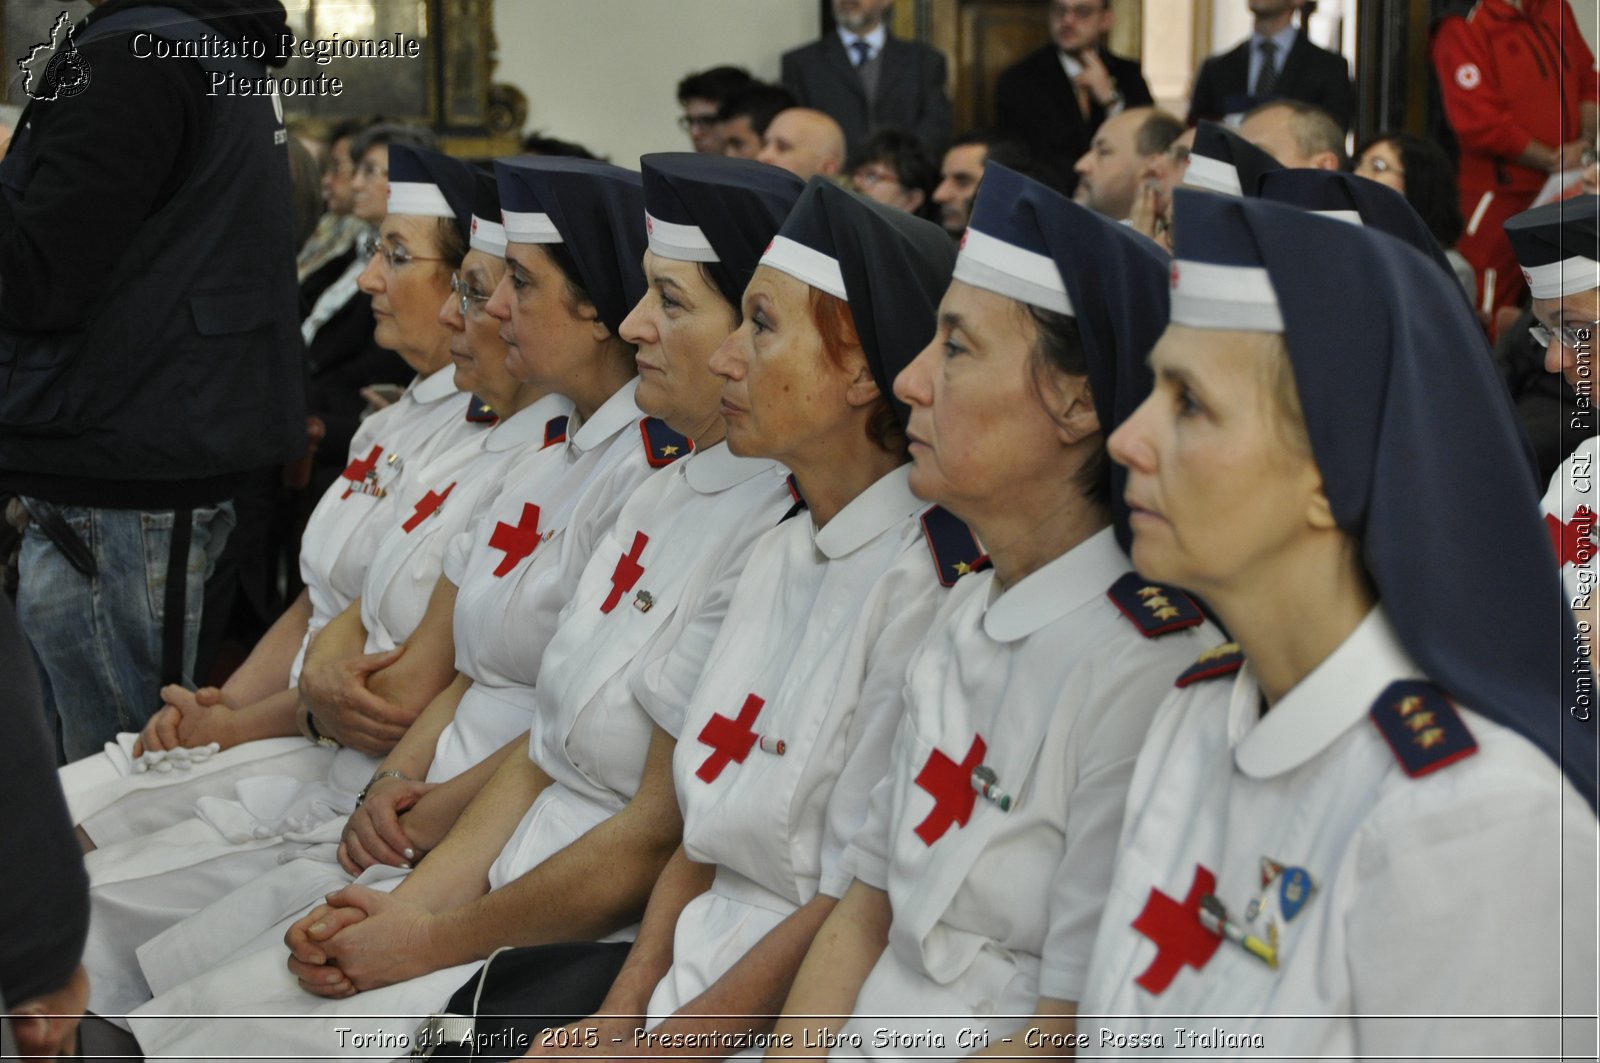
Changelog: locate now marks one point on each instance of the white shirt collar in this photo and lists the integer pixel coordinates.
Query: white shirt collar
(1070, 64)
(526, 425)
(439, 384)
(869, 514)
(1052, 591)
(608, 420)
(1322, 706)
(1284, 39)
(716, 468)
(874, 41)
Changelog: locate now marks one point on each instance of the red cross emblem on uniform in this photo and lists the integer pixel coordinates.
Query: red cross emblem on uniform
(627, 572)
(1573, 539)
(426, 506)
(730, 740)
(518, 541)
(1175, 927)
(951, 786)
(1174, 275)
(360, 469)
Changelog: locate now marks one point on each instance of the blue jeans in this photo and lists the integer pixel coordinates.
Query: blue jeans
(97, 642)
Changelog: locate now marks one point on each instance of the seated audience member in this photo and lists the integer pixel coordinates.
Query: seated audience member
(1152, 203)
(537, 143)
(44, 893)
(1306, 776)
(818, 633)
(990, 835)
(1125, 147)
(892, 167)
(1224, 162)
(962, 170)
(805, 142)
(701, 95)
(743, 118)
(1556, 246)
(1298, 135)
(342, 354)
(325, 253)
(1420, 170)
(155, 829)
(575, 241)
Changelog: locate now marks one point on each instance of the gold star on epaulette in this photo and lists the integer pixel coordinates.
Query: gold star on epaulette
(1166, 614)
(1421, 720)
(1146, 592)
(1430, 738)
(668, 451)
(962, 568)
(1158, 602)
(1406, 706)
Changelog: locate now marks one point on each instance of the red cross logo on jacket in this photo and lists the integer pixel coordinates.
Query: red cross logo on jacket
(951, 786)
(627, 572)
(518, 541)
(426, 506)
(360, 469)
(1573, 540)
(730, 740)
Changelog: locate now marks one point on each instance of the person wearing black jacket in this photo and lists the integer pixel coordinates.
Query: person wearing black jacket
(45, 890)
(1054, 99)
(147, 345)
(1233, 82)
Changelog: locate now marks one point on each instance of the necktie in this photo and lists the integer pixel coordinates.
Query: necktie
(862, 50)
(1267, 77)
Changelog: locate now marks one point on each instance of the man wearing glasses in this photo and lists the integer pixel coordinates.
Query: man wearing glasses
(1278, 60)
(701, 95)
(1054, 99)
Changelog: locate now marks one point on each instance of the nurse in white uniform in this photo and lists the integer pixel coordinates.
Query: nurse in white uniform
(992, 833)
(223, 839)
(109, 799)
(1557, 245)
(1365, 828)
(634, 633)
(790, 723)
(442, 501)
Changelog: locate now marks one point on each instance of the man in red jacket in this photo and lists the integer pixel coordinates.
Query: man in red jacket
(1520, 90)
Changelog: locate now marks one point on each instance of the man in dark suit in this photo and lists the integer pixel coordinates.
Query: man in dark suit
(1054, 99)
(1277, 61)
(864, 78)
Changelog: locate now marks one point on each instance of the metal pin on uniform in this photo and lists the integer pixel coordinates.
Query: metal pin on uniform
(987, 784)
(776, 746)
(1214, 917)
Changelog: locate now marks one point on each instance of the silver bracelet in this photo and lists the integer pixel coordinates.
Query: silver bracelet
(377, 777)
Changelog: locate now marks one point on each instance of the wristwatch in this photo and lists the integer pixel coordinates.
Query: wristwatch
(377, 777)
(308, 728)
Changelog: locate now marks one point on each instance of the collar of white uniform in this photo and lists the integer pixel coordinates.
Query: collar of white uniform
(1322, 706)
(526, 425)
(716, 468)
(439, 384)
(1053, 590)
(869, 514)
(613, 415)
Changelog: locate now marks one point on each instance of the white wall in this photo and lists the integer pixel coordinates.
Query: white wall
(604, 72)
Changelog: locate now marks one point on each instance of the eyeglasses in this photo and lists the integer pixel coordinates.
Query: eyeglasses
(865, 179)
(472, 300)
(696, 121)
(1378, 164)
(1573, 337)
(395, 258)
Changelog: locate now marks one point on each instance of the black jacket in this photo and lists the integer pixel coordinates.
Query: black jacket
(148, 343)
(911, 89)
(1311, 74)
(1036, 104)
